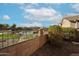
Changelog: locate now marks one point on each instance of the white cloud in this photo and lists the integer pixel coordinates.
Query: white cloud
(28, 5)
(75, 7)
(34, 24)
(37, 13)
(6, 17)
(43, 14)
(37, 5)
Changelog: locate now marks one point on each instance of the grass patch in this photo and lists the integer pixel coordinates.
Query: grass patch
(9, 36)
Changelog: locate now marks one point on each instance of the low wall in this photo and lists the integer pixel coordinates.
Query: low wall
(25, 48)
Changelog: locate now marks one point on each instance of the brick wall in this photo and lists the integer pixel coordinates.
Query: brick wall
(25, 48)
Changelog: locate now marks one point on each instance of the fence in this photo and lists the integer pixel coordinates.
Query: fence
(8, 38)
(25, 47)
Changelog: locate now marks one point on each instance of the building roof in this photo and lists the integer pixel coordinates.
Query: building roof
(72, 18)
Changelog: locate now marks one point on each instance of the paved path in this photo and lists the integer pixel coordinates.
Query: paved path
(74, 54)
(48, 50)
(75, 42)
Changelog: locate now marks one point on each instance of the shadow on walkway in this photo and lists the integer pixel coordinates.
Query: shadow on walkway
(48, 50)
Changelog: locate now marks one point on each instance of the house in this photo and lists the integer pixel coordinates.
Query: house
(70, 22)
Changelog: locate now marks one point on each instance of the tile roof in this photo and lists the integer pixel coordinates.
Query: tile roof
(72, 18)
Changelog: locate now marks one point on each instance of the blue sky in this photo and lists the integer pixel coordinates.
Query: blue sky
(36, 14)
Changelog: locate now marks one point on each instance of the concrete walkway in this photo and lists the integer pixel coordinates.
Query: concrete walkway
(48, 50)
(75, 42)
(74, 54)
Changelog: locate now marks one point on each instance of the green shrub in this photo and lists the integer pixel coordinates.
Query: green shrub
(69, 33)
(54, 28)
(55, 35)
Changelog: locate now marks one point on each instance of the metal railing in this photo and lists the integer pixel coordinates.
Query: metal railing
(8, 38)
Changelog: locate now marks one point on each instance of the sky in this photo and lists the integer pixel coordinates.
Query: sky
(36, 14)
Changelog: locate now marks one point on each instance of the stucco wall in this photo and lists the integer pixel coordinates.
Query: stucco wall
(25, 48)
(77, 25)
(72, 25)
(66, 23)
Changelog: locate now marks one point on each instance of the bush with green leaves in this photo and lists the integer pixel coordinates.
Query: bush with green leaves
(69, 33)
(55, 35)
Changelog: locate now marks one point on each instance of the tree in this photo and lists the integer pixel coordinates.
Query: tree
(1, 26)
(4, 26)
(13, 28)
